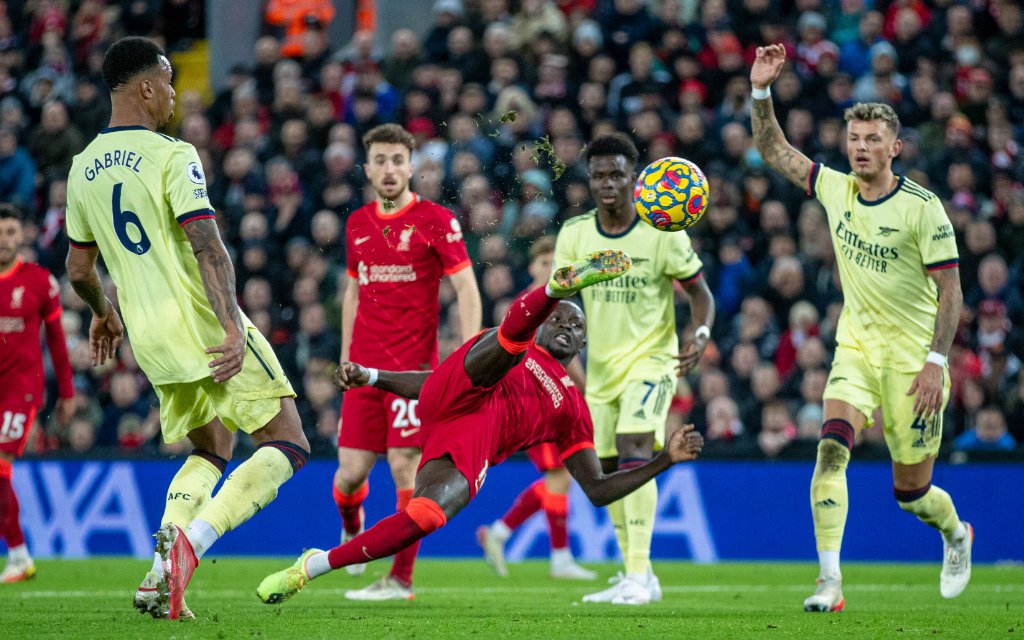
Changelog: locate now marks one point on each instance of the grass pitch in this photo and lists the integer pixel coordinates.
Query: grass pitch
(462, 598)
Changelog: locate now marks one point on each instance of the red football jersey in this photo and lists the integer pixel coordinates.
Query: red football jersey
(398, 259)
(29, 296)
(535, 402)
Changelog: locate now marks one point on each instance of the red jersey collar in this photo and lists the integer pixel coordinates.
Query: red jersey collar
(395, 214)
(10, 272)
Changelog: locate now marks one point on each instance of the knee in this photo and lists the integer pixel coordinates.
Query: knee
(912, 501)
(350, 477)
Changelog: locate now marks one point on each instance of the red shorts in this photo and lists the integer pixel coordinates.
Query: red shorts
(16, 420)
(374, 420)
(545, 456)
(460, 422)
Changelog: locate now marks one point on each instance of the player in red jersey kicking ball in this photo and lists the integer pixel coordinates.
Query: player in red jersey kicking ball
(550, 493)
(499, 393)
(398, 248)
(29, 297)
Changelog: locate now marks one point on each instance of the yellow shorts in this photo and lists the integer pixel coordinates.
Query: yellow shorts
(855, 381)
(642, 408)
(247, 401)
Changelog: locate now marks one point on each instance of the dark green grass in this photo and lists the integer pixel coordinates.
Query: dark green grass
(92, 599)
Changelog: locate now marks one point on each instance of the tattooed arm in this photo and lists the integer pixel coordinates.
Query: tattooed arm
(105, 330)
(768, 136)
(218, 276)
(927, 386)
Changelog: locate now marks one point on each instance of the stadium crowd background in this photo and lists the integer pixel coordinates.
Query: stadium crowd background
(502, 96)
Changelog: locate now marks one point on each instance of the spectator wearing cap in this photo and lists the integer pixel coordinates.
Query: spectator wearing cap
(884, 83)
(811, 28)
(447, 14)
(17, 171)
(855, 55)
(989, 433)
(586, 42)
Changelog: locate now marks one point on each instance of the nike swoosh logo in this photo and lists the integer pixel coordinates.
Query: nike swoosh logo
(405, 433)
(360, 241)
(367, 553)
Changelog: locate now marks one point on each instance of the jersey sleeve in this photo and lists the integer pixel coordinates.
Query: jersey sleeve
(580, 432)
(76, 224)
(185, 185)
(681, 261)
(829, 186)
(50, 309)
(448, 242)
(935, 237)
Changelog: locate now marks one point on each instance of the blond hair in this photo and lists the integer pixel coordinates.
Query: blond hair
(868, 111)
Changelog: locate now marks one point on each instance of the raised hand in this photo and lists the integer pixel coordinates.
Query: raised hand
(767, 65)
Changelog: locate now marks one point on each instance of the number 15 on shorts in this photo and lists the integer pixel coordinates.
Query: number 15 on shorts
(405, 416)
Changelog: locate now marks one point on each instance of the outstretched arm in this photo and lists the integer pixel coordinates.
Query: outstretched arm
(218, 276)
(105, 330)
(468, 296)
(768, 136)
(407, 384)
(685, 444)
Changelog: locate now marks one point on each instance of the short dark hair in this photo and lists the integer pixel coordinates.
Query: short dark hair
(614, 144)
(127, 58)
(389, 134)
(8, 210)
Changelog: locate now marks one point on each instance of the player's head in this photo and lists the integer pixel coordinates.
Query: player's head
(564, 333)
(10, 235)
(872, 138)
(137, 70)
(611, 161)
(542, 257)
(389, 159)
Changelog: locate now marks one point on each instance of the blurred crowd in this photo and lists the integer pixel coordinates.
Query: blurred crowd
(503, 96)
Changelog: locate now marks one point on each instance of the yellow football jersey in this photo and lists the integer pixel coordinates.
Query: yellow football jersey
(129, 193)
(884, 250)
(631, 321)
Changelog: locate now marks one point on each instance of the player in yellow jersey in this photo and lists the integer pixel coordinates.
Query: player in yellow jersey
(633, 355)
(898, 265)
(138, 197)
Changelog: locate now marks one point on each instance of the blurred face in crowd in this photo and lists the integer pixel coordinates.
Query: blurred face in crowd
(389, 169)
(870, 147)
(611, 182)
(10, 241)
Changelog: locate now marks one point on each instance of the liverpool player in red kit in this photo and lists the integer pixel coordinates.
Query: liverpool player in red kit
(398, 249)
(29, 297)
(499, 393)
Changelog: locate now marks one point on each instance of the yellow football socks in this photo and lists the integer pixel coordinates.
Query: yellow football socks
(249, 488)
(190, 490)
(829, 496)
(640, 507)
(617, 514)
(935, 509)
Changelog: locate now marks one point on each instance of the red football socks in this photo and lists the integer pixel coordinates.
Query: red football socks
(349, 505)
(405, 560)
(524, 317)
(527, 504)
(556, 508)
(421, 516)
(10, 526)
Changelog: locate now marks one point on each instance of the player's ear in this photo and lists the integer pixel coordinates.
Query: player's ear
(897, 146)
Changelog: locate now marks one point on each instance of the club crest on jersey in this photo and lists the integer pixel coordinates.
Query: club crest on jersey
(17, 295)
(405, 238)
(195, 173)
(885, 232)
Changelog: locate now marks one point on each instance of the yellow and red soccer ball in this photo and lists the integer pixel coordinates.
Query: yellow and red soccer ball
(671, 194)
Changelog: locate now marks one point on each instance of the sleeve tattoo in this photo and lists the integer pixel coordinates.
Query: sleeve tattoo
(771, 144)
(216, 270)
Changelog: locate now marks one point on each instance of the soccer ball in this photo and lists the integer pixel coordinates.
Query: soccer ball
(671, 194)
